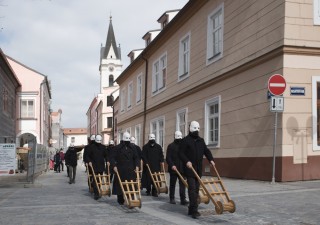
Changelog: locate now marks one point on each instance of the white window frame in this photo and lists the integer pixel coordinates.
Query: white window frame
(184, 57)
(212, 54)
(178, 122)
(159, 74)
(129, 96)
(34, 107)
(207, 116)
(157, 130)
(137, 132)
(122, 100)
(316, 12)
(315, 81)
(139, 89)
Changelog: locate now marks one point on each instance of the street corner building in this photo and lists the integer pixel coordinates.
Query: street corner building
(211, 61)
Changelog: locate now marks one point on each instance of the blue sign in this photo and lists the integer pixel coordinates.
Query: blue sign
(297, 91)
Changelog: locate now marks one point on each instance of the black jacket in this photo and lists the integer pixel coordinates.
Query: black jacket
(125, 158)
(172, 157)
(153, 156)
(192, 149)
(98, 156)
(71, 157)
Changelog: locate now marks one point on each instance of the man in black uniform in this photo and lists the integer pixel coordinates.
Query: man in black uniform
(191, 151)
(174, 163)
(97, 157)
(125, 161)
(91, 141)
(153, 156)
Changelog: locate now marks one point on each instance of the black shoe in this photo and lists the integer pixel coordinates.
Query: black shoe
(194, 216)
(195, 213)
(96, 197)
(184, 202)
(70, 182)
(172, 201)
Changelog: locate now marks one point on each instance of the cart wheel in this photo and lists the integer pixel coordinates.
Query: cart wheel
(219, 210)
(233, 209)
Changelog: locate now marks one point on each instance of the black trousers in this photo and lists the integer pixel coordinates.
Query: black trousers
(193, 192)
(182, 188)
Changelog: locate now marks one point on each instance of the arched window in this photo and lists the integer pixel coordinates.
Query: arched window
(110, 80)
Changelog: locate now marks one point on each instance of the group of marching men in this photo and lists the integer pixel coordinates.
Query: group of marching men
(126, 158)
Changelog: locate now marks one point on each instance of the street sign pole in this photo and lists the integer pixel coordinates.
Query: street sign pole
(274, 147)
(276, 85)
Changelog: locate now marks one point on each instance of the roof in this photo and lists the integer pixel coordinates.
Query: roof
(111, 42)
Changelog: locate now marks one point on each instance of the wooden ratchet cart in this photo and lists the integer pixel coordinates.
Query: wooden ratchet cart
(159, 180)
(131, 191)
(103, 182)
(202, 198)
(215, 191)
(89, 179)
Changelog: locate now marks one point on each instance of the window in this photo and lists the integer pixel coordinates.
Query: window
(138, 134)
(139, 88)
(109, 122)
(123, 100)
(316, 113)
(73, 139)
(316, 12)
(159, 74)
(184, 57)
(157, 128)
(27, 109)
(181, 124)
(215, 35)
(109, 100)
(111, 79)
(212, 121)
(130, 91)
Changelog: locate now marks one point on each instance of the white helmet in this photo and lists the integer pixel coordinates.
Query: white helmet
(152, 137)
(98, 138)
(126, 136)
(133, 140)
(194, 126)
(177, 135)
(93, 137)
(111, 142)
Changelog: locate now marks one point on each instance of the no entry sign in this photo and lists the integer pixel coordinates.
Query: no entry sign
(277, 84)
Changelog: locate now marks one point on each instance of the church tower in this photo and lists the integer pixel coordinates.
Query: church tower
(110, 68)
(110, 62)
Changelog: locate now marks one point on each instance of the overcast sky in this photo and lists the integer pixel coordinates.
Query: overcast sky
(62, 38)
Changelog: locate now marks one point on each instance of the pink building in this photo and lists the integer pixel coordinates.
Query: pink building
(33, 105)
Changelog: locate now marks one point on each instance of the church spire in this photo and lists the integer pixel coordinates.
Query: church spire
(111, 50)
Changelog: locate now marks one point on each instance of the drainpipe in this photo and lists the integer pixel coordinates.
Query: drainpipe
(145, 100)
(40, 131)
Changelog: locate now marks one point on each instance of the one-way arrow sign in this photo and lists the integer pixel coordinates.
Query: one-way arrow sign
(276, 104)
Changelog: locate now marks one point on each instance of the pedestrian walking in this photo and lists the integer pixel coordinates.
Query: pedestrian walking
(71, 158)
(62, 159)
(125, 161)
(97, 157)
(152, 155)
(57, 162)
(174, 164)
(191, 151)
